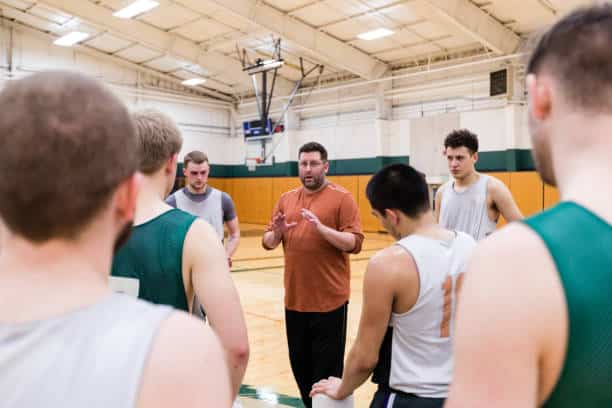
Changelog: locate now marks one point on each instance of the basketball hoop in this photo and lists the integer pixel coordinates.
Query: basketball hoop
(252, 162)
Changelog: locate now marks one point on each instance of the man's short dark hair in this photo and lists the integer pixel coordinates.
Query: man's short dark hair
(195, 157)
(462, 138)
(576, 50)
(66, 143)
(313, 147)
(401, 187)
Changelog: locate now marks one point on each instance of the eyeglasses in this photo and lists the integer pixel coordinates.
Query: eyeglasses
(314, 163)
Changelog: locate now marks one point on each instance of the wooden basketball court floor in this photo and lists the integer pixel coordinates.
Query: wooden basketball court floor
(258, 275)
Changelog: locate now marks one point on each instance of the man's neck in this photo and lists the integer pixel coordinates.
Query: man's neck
(588, 184)
(467, 180)
(425, 225)
(49, 279)
(150, 202)
(194, 191)
(582, 163)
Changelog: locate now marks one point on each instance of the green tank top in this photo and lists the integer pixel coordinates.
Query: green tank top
(154, 256)
(581, 245)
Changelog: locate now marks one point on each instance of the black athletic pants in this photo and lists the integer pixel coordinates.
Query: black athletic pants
(394, 399)
(316, 346)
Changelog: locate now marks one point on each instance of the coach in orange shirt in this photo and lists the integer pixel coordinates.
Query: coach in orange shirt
(319, 226)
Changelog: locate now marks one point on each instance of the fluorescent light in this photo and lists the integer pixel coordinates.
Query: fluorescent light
(375, 34)
(70, 39)
(269, 64)
(193, 81)
(136, 8)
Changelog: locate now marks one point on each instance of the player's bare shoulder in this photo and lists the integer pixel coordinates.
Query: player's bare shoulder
(511, 254)
(441, 190)
(200, 231)
(496, 187)
(189, 345)
(392, 260)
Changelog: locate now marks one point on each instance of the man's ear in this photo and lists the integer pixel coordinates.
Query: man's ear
(539, 90)
(126, 197)
(392, 216)
(171, 164)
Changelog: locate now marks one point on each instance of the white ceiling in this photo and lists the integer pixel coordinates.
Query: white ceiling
(187, 38)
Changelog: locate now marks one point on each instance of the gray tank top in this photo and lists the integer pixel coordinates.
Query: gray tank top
(210, 210)
(467, 211)
(93, 357)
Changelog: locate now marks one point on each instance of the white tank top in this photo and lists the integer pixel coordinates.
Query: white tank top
(418, 343)
(93, 357)
(467, 211)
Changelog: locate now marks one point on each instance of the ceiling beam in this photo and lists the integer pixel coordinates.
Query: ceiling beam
(159, 40)
(477, 24)
(319, 45)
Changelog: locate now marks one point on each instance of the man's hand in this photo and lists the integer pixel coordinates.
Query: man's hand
(311, 217)
(329, 387)
(280, 225)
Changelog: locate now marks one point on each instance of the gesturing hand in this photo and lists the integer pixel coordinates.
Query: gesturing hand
(310, 217)
(280, 225)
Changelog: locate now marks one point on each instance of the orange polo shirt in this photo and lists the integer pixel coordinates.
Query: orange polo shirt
(317, 274)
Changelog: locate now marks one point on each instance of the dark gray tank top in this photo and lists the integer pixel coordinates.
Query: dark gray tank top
(93, 357)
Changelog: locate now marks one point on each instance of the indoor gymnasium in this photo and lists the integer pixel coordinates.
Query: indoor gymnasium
(318, 203)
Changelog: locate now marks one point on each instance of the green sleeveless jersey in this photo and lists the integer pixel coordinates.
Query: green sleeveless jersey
(152, 258)
(581, 245)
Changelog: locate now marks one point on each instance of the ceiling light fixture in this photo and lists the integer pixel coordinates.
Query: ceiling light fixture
(193, 81)
(136, 8)
(71, 39)
(375, 34)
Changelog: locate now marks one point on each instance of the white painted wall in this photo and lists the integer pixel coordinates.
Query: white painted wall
(490, 126)
(427, 142)
(205, 124)
(523, 139)
(361, 135)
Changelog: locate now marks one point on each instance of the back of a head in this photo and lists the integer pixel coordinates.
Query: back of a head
(462, 138)
(401, 187)
(576, 51)
(158, 139)
(66, 143)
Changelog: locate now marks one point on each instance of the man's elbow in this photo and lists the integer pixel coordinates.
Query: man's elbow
(355, 245)
(265, 245)
(367, 363)
(239, 353)
(349, 247)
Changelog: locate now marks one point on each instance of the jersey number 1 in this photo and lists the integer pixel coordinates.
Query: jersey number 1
(448, 289)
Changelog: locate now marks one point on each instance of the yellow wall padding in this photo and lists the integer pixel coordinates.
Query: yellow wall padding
(219, 184)
(368, 221)
(255, 197)
(551, 196)
(504, 178)
(528, 191)
(281, 185)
